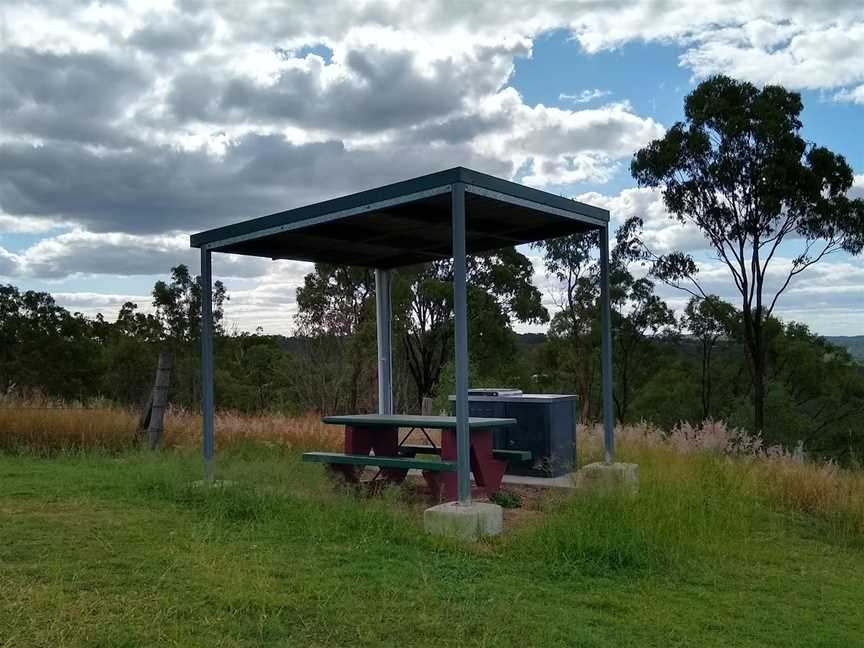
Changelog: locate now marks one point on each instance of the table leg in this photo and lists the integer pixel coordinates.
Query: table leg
(448, 488)
(383, 441)
(487, 470)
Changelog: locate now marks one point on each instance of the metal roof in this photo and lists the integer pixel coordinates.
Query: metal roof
(406, 222)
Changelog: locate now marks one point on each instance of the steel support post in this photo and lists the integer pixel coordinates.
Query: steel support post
(460, 304)
(207, 404)
(384, 327)
(606, 349)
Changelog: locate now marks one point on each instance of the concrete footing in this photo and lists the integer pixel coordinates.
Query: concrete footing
(464, 521)
(602, 477)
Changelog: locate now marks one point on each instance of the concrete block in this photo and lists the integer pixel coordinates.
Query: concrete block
(464, 521)
(601, 477)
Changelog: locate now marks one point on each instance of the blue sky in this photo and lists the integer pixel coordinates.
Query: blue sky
(651, 78)
(123, 128)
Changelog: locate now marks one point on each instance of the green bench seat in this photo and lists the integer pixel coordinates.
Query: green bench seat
(382, 462)
(503, 455)
(512, 455)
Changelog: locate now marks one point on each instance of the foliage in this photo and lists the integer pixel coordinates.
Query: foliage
(506, 499)
(574, 331)
(639, 316)
(336, 310)
(815, 393)
(738, 169)
(43, 346)
(336, 315)
(709, 320)
(178, 306)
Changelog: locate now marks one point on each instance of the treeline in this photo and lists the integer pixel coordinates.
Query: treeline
(667, 369)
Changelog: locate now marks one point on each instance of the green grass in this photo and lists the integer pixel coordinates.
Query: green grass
(99, 550)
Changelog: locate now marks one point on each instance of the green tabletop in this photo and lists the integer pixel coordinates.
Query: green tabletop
(409, 420)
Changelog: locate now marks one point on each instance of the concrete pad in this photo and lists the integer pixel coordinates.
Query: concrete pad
(562, 481)
(602, 477)
(464, 521)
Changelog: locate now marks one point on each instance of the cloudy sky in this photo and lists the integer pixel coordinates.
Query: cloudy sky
(126, 126)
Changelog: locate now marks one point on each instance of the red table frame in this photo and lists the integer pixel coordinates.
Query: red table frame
(384, 441)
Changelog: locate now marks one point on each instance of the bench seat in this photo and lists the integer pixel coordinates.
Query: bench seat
(512, 455)
(403, 463)
(503, 455)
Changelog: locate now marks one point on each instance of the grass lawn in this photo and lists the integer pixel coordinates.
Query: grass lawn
(101, 550)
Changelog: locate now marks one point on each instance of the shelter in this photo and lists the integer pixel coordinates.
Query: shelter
(446, 214)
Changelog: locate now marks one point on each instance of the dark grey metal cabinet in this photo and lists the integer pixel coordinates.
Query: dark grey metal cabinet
(546, 427)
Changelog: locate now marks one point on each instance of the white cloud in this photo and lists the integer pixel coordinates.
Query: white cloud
(80, 253)
(813, 56)
(586, 96)
(160, 118)
(851, 95)
(27, 225)
(132, 124)
(269, 303)
(661, 233)
(823, 296)
(563, 146)
(93, 303)
(857, 190)
(826, 295)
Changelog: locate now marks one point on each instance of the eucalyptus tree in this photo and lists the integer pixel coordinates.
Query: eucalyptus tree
(500, 292)
(336, 319)
(769, 204)
(639, 315)
(339, 301)
(177, 307)
(708, 320)
(575, 327)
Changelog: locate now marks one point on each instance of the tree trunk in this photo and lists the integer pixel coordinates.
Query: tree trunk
(758, 374)
(160, 400)
(759, 395)
(706, 381)
(755, 362)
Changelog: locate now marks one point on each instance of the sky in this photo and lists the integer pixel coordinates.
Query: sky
(124, 127)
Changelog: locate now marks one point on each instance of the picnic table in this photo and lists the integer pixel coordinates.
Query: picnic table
(379, 433)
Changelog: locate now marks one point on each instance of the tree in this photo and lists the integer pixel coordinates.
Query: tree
(638, 314)
(708, 320)
(338, 302)
(638, 317)
(44, 347)
(131, 348)
(575, 329)
(336, 311)
(738, 169)
(178, 306)
(178, 311)
(499, 291)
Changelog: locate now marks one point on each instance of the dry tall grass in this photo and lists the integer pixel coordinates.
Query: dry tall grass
(784, 477)
(781, 476)
(50, 426)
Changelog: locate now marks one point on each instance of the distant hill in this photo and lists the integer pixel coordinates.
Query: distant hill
(853, 343)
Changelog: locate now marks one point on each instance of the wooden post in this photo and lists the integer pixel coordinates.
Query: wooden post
(160, 400)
